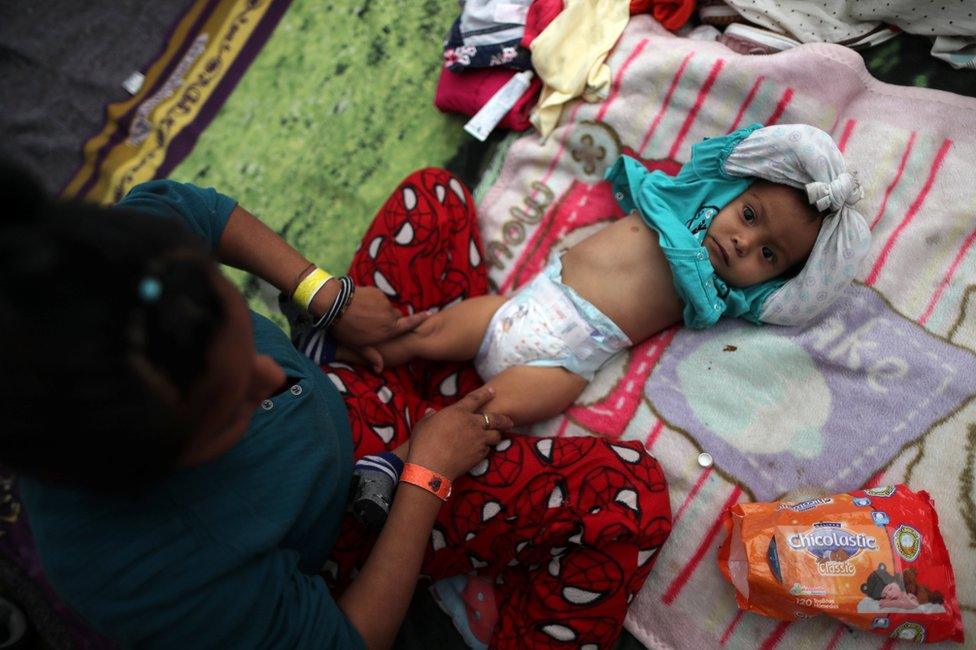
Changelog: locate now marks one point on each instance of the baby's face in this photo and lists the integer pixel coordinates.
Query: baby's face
(761, 234)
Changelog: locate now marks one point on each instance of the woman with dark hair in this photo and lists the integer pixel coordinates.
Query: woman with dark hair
(187, 471)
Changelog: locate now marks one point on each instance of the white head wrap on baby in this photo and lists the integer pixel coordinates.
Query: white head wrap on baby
(805, 157)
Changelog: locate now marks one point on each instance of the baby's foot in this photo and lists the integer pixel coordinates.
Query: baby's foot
(377, 480)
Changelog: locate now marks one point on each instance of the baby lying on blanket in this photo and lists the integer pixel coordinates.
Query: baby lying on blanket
(759, 224)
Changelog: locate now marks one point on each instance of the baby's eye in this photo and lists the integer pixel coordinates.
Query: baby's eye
(768, 254)
(748, 214)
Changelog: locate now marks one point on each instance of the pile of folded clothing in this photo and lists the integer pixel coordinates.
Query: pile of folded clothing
(564, 43)
(493, 40)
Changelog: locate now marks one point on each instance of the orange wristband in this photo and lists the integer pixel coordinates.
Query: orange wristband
(437, 484)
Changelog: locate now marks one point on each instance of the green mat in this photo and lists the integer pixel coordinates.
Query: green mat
(334, 112)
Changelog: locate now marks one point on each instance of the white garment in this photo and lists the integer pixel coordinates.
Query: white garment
(833, 21)
(938, 18)
(816, 21)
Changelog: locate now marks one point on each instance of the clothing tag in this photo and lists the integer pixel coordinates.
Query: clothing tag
(489, 115)
(133, 82)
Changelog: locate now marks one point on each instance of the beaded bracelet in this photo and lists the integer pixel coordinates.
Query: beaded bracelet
(339, 306)
(348, 299)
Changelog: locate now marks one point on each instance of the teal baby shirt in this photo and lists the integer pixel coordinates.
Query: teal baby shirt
(225, 554)
(680, 209)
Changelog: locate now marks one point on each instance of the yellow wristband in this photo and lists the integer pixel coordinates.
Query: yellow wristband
(310, 286)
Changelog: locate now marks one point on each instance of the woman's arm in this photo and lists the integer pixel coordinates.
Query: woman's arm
(377, 601)
(248, 244)
(449, 442)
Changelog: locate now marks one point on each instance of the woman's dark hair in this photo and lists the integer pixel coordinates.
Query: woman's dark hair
(99, 308)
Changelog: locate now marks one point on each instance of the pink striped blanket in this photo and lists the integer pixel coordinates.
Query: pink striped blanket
(880, 390)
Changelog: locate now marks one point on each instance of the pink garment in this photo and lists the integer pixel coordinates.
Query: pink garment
(540, 14)
(466, 92)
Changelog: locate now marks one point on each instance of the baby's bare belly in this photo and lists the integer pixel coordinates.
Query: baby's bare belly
(623, 272)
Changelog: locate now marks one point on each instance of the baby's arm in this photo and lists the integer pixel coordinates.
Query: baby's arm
(454, 334)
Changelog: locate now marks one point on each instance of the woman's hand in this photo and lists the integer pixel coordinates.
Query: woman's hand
(449, 442)
(457, 438)
(371, 318)
(248, 244)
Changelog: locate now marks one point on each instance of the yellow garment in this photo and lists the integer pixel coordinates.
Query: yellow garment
(569, 56)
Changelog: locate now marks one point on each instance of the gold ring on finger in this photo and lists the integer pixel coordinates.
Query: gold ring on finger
(487, 420)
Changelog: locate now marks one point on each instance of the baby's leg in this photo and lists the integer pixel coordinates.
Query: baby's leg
(530, 394)
(454, 334)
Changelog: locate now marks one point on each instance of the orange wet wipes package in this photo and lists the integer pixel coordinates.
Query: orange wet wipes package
(872, 558)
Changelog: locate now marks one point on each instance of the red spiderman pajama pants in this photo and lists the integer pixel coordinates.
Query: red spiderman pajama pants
(568, 528)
